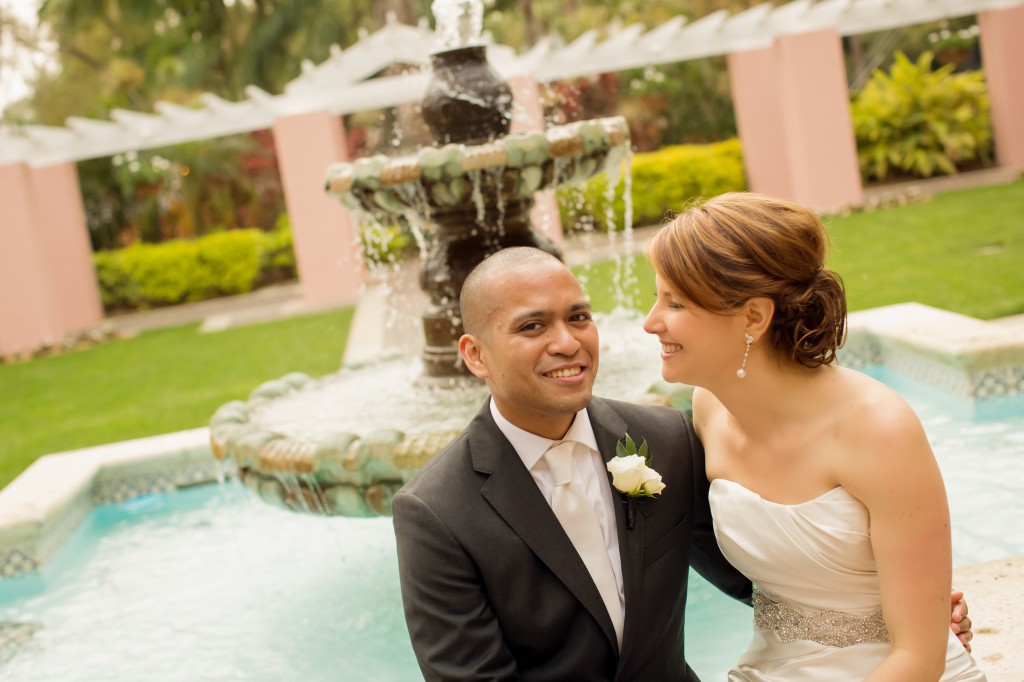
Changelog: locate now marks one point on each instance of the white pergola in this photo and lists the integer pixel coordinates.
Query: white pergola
(343, 83)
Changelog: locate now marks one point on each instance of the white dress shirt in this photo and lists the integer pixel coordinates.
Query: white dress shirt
(590, 474)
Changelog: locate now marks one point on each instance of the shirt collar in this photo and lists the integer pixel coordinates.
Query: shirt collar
(531, 447)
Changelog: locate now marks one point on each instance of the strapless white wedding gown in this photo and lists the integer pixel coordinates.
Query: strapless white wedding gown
(817, 606)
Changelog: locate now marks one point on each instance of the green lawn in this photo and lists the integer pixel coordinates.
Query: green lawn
(160, 381)
(962, 251)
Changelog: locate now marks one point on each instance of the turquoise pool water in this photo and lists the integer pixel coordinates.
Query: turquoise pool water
(209, 584)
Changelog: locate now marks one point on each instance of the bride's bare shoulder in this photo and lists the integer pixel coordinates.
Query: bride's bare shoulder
(874, 414)
(869, 398)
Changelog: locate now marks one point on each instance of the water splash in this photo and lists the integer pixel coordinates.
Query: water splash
(497, 175)
(476, 177)
(459, 22)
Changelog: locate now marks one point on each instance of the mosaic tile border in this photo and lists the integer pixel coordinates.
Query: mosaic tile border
(997, 382)
(860, 353)
(972, 384)
(122, 488)
(17, 561)
(27, 558)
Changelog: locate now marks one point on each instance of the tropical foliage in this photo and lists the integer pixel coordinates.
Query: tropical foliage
(918, 121)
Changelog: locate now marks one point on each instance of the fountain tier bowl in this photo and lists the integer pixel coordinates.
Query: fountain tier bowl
(512, 167)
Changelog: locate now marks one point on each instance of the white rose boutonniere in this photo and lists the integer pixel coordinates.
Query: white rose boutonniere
(633, 475)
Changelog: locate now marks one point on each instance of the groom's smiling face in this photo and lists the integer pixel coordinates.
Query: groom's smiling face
(538, 350)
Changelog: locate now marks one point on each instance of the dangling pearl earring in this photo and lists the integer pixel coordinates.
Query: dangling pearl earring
(742, 371)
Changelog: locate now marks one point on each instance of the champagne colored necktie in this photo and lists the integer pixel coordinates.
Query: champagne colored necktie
(576, 514)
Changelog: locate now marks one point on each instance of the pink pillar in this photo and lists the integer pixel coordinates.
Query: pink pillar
(758, 107)
(65, 245)
(326, 247)
(28, 304)
(793, 113)
(1002, 52)
(528, 115)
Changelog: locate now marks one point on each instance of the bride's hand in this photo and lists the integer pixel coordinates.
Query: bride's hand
(959, 623)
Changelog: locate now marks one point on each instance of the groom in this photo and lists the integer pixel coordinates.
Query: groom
(493, 587)
(498, 582)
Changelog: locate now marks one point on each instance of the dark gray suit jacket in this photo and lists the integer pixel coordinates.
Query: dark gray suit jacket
(494, 590)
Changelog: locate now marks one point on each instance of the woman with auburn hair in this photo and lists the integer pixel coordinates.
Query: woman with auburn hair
(824, 490)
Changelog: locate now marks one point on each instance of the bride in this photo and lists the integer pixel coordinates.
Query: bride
(824, 490)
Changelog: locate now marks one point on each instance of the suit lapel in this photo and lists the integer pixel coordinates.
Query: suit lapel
(514, 495)
(609, 427)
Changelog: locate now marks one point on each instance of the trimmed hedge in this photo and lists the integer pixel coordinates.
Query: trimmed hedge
(277, 254)
(144, 276)
(668, 180)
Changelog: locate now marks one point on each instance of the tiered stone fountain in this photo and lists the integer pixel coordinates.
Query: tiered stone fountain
(478, 193)
(377, 426)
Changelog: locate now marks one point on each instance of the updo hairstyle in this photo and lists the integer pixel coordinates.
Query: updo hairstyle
(741, 245)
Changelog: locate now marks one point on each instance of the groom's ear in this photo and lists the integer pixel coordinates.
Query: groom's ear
(472, 354)
(758, 313)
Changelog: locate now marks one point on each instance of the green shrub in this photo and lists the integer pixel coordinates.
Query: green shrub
(117, 289)
(667, 179)
(277, 251)
(163, 273)
(229, 262)
(918, 122)
(233, 262)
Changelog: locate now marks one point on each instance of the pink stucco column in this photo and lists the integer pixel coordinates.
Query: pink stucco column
(1002, 53)
(528, 115)
(64, 237)
(793, 113)
(753, 78)
(28, 305)
(326, 248)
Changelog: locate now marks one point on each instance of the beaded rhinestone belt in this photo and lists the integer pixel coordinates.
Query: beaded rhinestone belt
(831, 628)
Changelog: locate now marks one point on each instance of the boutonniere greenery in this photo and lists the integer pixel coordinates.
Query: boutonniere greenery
(632, 474)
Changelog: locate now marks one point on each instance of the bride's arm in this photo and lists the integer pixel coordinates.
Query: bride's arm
(893, 472)
(706, 557)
